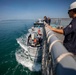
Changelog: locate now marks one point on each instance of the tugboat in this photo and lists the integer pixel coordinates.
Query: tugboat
(35, 40)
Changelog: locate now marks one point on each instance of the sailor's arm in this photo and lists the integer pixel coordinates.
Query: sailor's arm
(55, 29)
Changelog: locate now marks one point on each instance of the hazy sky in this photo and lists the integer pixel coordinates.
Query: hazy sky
(33, 9)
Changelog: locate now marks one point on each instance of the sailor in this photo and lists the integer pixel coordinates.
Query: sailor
(48, 20)
(70, 31)
(33, 29)
(39, 36)
(29, 40)
(45, 19)
(35, 41)
(39, 31)
(40, 39)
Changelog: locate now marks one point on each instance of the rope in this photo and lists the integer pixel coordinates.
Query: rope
(63, 56)
(50, 37)
(47, 30)
(49, 33)
(53, 44)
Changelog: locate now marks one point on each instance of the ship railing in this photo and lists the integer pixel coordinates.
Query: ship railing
(58, 60)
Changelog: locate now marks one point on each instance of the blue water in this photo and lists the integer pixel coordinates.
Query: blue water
(10, 30)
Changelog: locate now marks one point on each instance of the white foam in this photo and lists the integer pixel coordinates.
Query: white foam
(33, 66)
(22, 45)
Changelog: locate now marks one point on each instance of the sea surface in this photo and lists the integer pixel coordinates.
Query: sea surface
(12, 31)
